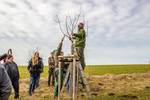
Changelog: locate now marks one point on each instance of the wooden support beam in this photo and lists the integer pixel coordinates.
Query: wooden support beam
(59, 81)
(74, 70)
(71, 80)
(84, 80)
(66, 77)
(64, 57)
(74, 79)
(77, 81)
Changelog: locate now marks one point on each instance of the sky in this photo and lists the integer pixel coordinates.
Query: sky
(118, 30)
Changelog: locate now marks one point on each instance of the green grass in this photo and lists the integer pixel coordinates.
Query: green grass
(117, 69)
(25, 74)
(143, 94)
(99, 69)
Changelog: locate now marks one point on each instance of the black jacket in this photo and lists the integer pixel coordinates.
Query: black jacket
(5, 83)
(12, 70)
(36, 69)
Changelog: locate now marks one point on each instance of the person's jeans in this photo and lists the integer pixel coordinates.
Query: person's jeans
(33, 81)
(15, 84)
(5, 97)
(38, 80)
(51, 77)
(80, 52)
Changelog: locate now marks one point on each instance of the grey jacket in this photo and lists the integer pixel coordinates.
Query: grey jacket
(12, 70)
(5, 83)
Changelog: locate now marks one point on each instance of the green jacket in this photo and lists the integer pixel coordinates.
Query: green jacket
(80, 38)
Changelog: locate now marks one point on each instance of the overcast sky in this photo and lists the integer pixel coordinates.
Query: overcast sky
(118, 30)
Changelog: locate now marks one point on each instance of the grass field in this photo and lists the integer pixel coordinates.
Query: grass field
(134, 95)
(116, 82)
(117, 69)
(100, 69)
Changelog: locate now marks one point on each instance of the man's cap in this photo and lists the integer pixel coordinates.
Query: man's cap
(81, 23)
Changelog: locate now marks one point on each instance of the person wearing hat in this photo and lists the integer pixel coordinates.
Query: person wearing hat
(3, 58)
(57, 53)
(5, 83)
(51, 66)
(35, 68)
(80, 39)
(13, 73)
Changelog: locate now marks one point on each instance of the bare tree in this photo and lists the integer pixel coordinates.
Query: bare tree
(75, 71)
(70, 26)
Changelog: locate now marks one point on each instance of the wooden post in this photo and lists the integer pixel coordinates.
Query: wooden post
(74, 78)
(84, 80)
(66, 77)
(71, 80)
(75, 70)
(59, 80)
(77, 81)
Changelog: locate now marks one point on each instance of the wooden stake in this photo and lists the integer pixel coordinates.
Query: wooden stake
(71, 80)
(59, 80)
(84, 81)
(66, 77)
(75, 72)
(74, 79)
(77, 82)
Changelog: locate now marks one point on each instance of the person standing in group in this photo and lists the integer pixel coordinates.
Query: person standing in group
(57, 52)
(5, 83)
(51, 66)
(35, 67)
(80, 42)
(80, 39)
(13, 73)
(41, 66)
